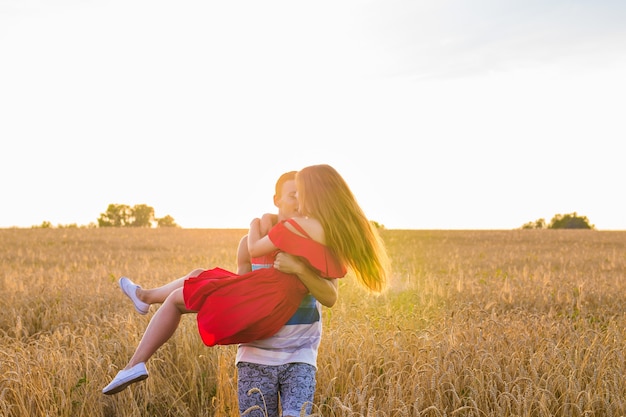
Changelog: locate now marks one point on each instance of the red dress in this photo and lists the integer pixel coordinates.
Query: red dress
(242, 308)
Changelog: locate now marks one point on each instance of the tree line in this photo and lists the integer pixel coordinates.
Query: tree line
(140, 215)
(122, 215)
(561, 221)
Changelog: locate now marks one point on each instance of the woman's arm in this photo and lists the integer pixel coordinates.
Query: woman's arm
(268, 220)
(244, 264)
(258, 245)
(324, 290)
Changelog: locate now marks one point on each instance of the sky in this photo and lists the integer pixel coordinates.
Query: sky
(446, 114)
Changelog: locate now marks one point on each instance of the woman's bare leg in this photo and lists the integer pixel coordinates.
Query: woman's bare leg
(161, 327)
(159, 294)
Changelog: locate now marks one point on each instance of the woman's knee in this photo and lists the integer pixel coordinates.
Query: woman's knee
(195, 273)
(176, 299)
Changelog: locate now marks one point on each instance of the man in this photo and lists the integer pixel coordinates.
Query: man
(283, 366)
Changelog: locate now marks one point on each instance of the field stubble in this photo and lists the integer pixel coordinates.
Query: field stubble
(476, 323)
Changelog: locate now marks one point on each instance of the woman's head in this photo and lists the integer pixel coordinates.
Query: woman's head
(321, 190)
(324, 195)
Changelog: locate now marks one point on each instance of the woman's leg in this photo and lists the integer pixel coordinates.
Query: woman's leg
(161, 327)
(159, 294)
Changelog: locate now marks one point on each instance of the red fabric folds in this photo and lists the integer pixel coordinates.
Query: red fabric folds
(242, 308)
(320, 257)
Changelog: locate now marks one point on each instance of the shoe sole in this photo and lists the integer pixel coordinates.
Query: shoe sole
(125, 385)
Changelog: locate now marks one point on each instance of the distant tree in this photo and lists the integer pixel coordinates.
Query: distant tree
(44, 225)
(122, 215)
(142, 215)
(167, 221)
(561, 221)
(117, 215)
(377, 225)
(570, 221)
(537, 224)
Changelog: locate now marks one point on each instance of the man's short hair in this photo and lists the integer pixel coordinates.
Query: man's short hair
(287, 176)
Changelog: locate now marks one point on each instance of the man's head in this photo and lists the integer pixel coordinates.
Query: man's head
(285, 196)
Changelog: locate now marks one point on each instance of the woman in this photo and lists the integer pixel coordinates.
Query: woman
(332, 233)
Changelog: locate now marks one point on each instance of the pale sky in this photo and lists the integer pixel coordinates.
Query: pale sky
(439, 114)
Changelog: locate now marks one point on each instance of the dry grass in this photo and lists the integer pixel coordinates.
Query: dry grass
(478, 323)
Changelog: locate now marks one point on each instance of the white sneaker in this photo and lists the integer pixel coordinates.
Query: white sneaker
(130, 289)
(126, 377)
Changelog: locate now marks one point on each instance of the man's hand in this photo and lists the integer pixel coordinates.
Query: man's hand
(324, 290)
(288, 264)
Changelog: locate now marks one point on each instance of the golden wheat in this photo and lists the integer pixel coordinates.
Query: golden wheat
(476, 323)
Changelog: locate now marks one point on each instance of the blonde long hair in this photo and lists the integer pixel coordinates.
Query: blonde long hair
(324, 195)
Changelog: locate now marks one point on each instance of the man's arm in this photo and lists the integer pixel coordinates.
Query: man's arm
(324, 290)
(243, 257)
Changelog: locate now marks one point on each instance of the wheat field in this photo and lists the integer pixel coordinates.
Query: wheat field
(476, 323)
